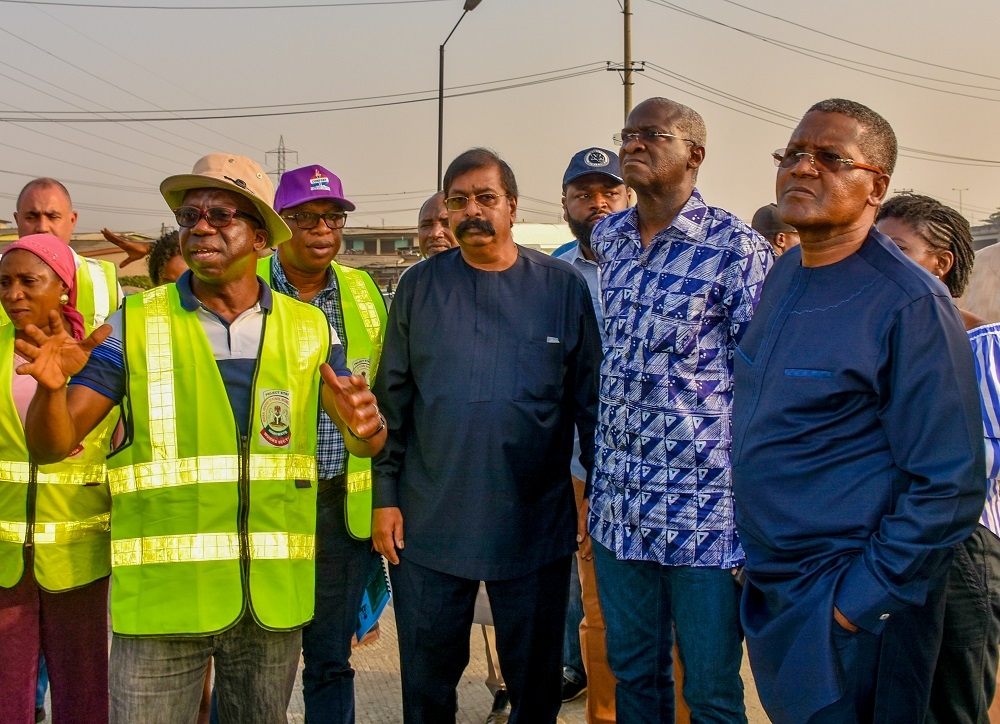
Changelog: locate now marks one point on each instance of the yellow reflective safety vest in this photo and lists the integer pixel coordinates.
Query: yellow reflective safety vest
(61, 510)
(364, 321)
(96, 292)
(206, 523)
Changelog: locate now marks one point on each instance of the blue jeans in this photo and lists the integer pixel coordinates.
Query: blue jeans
(161, 680)
(573, 668)
(643, 603)
(43, 683)
(343, 565)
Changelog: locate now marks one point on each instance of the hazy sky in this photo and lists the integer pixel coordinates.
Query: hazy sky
(57, 59)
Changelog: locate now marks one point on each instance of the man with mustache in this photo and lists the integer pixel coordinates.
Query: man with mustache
(679, 282)
(311, 201)
(592, 189)
(490, 361)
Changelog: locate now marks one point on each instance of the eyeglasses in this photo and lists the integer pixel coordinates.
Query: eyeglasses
(218, 217)
(310, 219)
(622, 138)
(821, 160)
(485, 201)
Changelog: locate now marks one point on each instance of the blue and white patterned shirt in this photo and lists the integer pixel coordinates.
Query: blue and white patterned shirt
(673, 314)
(986, 353)
(331, 454)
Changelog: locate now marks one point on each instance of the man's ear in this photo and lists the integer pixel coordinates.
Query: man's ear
(260, 239)
(696, 156)
(880, 187)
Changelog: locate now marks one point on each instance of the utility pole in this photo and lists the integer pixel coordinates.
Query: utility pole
(960, 210)
(627, 75)
(282, 153)
(627, 67)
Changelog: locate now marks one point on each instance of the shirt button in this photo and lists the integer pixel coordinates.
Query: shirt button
(883, 617)
(644, 263)
(635, 305)
(622, 447)
(627, 355)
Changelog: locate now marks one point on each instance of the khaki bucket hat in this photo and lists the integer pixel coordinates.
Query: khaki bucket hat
(233, 173)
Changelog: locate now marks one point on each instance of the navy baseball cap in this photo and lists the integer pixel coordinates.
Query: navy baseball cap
(593, 160)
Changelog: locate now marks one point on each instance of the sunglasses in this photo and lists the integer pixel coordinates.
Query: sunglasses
(310, 219)
(485, 201)
(218, 217)
(821, 160)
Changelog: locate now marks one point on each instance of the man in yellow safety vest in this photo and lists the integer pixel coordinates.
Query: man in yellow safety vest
(311, 201)
(44, 207)
(214, 490)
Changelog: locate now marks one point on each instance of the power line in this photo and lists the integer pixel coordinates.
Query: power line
(69, 103)
(108, 209)
(146, 189)
(103, 80)
(860, 45)
(164, 119)
(136, 64)
(216, 7)
(905, 151)
(71, 163)
(304, 104)
(823, 57)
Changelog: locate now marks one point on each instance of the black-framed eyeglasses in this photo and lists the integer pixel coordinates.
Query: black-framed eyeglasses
(821, 160)
(622, 138)
(310, 219)
(486, 201)
(218, 217)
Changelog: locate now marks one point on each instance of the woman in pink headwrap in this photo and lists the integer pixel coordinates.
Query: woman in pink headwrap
(54, 519)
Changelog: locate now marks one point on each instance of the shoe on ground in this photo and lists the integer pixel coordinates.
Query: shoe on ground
(571, 689)
(39, 714)
(501, 708)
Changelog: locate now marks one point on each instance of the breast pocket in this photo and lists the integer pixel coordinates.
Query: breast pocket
(540, 371)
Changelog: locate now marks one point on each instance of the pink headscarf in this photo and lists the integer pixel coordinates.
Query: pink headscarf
(56, 253)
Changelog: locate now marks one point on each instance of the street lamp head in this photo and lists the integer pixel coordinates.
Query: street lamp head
(471, 5)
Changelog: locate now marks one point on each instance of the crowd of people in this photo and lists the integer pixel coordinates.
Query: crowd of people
(677, 433)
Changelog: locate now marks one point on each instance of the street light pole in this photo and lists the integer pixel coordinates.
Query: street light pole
(469, 6)
(961, 211)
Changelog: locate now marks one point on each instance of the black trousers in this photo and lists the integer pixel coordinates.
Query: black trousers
(966, 673)
(434, 619)
(889, 675)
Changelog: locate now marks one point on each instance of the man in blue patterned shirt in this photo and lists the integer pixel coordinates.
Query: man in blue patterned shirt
(679, 283)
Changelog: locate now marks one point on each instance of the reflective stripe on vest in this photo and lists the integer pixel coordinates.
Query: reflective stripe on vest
(12, 531)
(364, 321)
(208, 469)
(210, 547)
(20, 472)
(206, 524)
(103, 289)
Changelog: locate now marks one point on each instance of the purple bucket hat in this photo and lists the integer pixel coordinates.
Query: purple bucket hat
(301, 185)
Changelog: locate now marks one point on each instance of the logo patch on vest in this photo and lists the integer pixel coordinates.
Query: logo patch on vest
(361, 366)
(275, 416)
